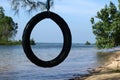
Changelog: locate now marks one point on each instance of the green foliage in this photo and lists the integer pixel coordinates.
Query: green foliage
(87, 43)
(107, 27)
(1, 12)
(15, 42)
(10, 42)
(8, 28)
(116, 70)
(32, 42)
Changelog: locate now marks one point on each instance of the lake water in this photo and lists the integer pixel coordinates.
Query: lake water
(14, 65)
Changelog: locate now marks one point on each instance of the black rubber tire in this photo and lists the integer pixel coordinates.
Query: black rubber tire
(66, 43)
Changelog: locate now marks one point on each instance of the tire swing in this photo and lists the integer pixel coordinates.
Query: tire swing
(66, 43)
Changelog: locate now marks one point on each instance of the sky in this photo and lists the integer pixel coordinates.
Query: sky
(76, 13)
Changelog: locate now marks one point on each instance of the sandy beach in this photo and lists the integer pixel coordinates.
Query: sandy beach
(110, 70)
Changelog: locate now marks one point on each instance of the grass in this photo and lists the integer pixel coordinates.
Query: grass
(116, 70)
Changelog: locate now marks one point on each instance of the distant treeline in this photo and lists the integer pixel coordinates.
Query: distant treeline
(19, 42)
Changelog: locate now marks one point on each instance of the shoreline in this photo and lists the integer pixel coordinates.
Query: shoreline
(110, 70)
(15, 42)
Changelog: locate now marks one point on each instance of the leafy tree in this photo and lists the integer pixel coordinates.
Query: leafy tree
(87, 43)
(107, 26)
(30, 5)
(1, 12)
(8, 28)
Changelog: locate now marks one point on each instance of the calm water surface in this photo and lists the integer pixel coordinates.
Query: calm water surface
(15, 66)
